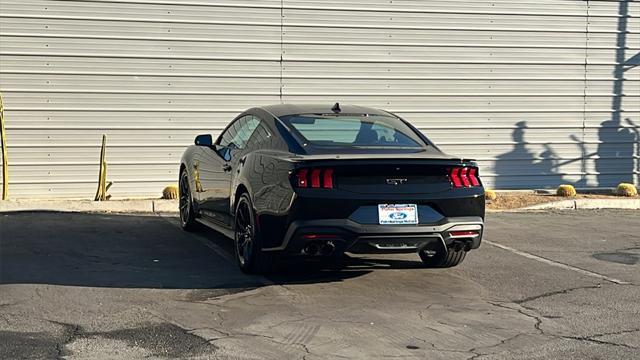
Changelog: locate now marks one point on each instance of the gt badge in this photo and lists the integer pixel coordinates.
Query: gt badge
(396, 181)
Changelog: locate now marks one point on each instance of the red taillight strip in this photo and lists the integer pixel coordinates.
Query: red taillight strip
(320, 236)
(314, 178)
(473, 176)
(464, 233)
(301, 177)
(464, 177)
(328, 179)
(455, 178)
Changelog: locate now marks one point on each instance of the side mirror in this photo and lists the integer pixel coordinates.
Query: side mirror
(204, 140)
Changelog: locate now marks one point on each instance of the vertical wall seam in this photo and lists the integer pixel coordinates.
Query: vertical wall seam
(583, 155)
(281, 49)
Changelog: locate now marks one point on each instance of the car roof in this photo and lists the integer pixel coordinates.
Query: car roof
(279, 110)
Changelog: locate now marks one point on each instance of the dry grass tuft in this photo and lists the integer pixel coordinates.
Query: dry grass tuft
(490, 195)
(566, 190)
(626, 189)
(170, 192)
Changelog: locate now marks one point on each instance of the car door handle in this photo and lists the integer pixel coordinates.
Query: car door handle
(226, 167)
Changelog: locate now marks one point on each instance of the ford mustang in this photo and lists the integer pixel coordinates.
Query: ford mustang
(321, 180)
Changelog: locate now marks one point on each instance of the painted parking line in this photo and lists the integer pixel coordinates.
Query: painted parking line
(557, 264)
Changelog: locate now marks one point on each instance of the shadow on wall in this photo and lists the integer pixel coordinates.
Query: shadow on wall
(531, 168)
(617, 158)
(616, 148)
(615, 162)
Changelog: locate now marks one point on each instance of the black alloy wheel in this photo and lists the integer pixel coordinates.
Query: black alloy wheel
(244, 233)
(251, 259)
(185, 203)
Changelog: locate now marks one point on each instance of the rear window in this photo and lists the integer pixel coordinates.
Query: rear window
(353, 130)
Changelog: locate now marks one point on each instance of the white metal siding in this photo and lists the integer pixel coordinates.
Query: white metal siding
(519, 85)
(522, 86)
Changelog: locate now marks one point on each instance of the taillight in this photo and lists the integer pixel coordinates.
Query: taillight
(454, 175)
(464, 177)
(301, 178)
(319, 236)
(328, 178)
(473, 177)
(314, 178)
(467, 233)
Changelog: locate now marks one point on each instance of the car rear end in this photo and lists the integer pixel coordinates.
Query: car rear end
(383, 205)
(367, 181)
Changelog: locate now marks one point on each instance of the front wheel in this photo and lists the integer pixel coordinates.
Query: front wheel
(440, 257)
(248, 245)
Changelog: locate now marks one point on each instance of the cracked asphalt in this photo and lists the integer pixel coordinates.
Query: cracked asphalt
(548, 285)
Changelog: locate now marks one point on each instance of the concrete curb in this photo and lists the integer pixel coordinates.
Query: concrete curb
(113, 206)
(578, 204)
(171, 206)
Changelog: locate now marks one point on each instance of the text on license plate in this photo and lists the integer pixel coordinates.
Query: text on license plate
(397, 214)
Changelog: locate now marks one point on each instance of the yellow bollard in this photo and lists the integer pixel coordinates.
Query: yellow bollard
(5, 159)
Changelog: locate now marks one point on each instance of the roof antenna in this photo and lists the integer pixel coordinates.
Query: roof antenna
(336, 108)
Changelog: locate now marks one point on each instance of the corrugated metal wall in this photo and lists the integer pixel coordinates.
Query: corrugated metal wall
(532, 89)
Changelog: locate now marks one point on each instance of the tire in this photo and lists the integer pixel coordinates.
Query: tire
(185, 207)
(248, 240)
(441, 257)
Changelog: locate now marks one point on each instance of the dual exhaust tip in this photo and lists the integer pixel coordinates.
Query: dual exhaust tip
(319, 248)
(459, 245)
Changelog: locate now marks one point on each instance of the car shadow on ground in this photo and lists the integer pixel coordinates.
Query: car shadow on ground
(306, 271)
(143, 251)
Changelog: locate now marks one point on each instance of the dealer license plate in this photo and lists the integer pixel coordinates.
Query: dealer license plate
(394, 214)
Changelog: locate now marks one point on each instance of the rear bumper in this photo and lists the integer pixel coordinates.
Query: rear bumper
(348, 235)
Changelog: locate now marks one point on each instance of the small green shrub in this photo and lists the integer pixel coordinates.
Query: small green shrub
(566, 190)
(170, 192)
(490, 195)
(626, 189)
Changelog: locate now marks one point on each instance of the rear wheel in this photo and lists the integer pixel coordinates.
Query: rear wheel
(248, 245)
(187, 212)
(438, 256)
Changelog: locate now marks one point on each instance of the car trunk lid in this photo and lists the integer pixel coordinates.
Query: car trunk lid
(380, 175)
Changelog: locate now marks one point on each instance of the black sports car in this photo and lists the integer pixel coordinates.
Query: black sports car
(314, 180)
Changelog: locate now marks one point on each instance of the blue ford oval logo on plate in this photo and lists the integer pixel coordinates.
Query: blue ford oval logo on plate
(398, 216)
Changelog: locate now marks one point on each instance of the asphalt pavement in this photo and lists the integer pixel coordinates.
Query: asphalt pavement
(544, 285)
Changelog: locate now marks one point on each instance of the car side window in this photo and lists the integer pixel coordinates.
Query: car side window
(229, 134)
(245, 130)
(240, 132)
(261, 137)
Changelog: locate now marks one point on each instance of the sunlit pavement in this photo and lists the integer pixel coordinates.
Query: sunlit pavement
(543, 285)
